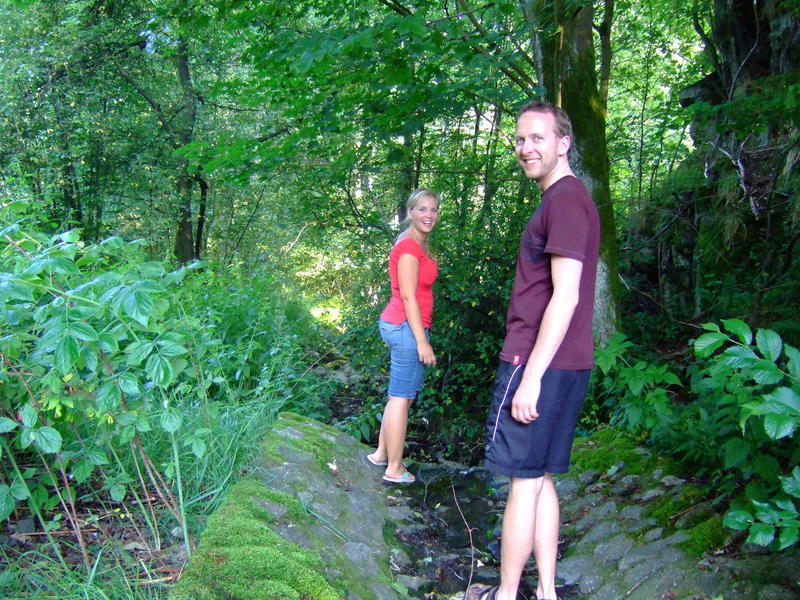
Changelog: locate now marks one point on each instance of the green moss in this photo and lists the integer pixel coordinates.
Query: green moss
(662, 509)
(241, 557)
(313, 443)
(705, 536)
(608, 447)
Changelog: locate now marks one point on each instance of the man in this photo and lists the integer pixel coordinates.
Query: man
(547, 354)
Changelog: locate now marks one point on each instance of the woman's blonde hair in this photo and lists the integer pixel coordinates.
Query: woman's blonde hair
(418, 195)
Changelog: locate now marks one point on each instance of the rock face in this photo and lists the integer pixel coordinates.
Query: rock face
(308, 523)
(313, 522)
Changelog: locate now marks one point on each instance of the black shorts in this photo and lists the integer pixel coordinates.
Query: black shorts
(544, 445)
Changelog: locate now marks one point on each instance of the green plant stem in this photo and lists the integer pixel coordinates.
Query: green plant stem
(152, 523)
(33, 505)
(179, 483)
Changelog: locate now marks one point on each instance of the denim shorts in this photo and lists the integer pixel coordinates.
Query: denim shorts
(541, 446)
(406, 373)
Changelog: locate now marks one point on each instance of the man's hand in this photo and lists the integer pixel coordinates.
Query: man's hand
(425, 354)
(523, 406)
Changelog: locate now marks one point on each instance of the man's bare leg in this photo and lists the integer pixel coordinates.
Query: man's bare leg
(519, 525)
(545, 538)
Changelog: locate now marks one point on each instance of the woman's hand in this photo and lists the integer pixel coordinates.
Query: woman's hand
(425, 354)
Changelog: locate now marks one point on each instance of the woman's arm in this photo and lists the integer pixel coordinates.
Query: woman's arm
(407, 278)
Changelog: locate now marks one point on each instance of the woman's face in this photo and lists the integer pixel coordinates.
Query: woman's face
(424, 214)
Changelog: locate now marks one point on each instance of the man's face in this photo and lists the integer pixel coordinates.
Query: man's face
(538, 148)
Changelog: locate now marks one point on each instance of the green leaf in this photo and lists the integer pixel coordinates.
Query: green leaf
(788, 537)
(739, 357)
(785, 397)
(767, 467)
(138, 306)
(47, 439)
(7, 425)
(26, 437)
(143, 425)
(126, 434)
(159, 370)
(170, 420)
(108, 343)
(117, 492)
(737, 519)
(710, 326)
(168, 348)
(19, 490)
(766, 513)
(151, 270)
(108, 397)
(97, 456)
(736, 452)
(739, 328)
(791, 484)
(706, 344)
(779, 426)
(29, 416)
(82, 331)
(126, 418)
(138, 351)
(71, 236)
(82, 470)
(128, 383)
(66, 354)
(7, 502)
(765, 372)
(793, 365)
(769, 344)
(198, 447)
(14, 289)
(761, 534)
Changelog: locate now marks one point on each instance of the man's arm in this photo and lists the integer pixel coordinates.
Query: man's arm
(566, 274)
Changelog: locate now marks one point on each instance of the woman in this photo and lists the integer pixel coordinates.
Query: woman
(404, 326)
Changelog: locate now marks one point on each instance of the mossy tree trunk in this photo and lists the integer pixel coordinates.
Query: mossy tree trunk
(562, 39)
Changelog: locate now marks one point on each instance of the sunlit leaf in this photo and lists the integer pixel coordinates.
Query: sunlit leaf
(66, 354)
(29, 415)
(48, 440)
(82, 470)
(737, 519)
(7, 424)
(740, 329)
(159, 370)
(7, 502)
(117, 492)
(170, 420)
(769, 344)
(706, 344)
(761, 534)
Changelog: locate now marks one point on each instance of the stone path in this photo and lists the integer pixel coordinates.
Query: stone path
(612, 549)
(313, 522)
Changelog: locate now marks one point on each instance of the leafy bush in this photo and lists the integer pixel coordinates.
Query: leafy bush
(759, 384)
(123, 379)
(737, 428)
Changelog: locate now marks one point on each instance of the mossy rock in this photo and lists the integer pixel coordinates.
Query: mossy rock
(608, 448)
(705, 536)
(306, 524)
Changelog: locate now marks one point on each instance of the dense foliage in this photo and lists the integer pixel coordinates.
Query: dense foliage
(126, 382)
(278, 141)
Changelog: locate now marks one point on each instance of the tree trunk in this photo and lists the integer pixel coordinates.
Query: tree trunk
(569, 76)
(185, 249)
(201, 216)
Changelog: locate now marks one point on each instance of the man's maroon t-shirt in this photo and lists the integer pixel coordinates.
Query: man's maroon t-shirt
(565, 223)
